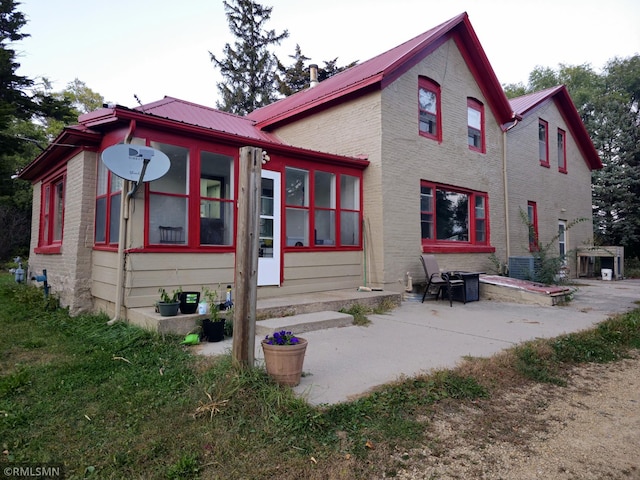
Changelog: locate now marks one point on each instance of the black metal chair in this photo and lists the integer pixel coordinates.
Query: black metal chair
(443, 281)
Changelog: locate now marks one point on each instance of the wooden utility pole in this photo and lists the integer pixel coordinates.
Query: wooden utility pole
(247, 243)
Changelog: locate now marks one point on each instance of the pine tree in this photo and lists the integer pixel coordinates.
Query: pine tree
(248, 67)
(296, 77)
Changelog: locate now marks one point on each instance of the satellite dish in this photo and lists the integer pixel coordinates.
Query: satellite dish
(136, 163)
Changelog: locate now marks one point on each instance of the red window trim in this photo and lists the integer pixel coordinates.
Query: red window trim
(311, 209)
(563, 168)
(109, 195)
(477, 105)
(431, 86)
(543, 162)
(48, 184)
(450, 246)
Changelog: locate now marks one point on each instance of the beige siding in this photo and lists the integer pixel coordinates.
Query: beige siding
(558, 196)
(318, 271)
(69, 273)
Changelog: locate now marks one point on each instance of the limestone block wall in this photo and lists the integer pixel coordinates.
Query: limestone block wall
(69, 272)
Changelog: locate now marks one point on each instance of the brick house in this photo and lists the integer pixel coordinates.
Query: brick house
(415, 150)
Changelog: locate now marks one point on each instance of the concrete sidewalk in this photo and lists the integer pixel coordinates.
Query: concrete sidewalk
(344, 363)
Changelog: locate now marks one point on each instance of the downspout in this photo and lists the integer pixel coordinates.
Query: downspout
(505, 186)
(122, 235)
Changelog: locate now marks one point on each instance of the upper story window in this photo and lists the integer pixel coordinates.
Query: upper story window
(429, 120)
(475, 125)
(108, 198)
(562, 151)
(532, 218)
(52, 214)
(543, 142)
(322, 209)
(454, 217)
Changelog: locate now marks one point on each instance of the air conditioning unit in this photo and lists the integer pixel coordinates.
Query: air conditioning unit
(523, 268)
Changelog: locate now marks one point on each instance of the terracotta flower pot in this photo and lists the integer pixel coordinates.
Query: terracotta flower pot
(284, 362)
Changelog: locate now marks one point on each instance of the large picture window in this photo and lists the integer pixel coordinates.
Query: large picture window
(429, 120)
(331, 219)
(52, 214)
(451, 216)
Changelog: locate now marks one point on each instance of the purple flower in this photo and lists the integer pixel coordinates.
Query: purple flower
(282, 337)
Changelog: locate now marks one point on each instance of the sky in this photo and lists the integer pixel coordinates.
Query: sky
(151, 48)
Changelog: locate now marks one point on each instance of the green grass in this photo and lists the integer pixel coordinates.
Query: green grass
(120, 402)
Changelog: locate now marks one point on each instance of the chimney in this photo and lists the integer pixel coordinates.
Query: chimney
(313, 75)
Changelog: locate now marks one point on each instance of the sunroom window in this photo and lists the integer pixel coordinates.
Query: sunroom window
(168, 199)
(216, 199)
(330, 218)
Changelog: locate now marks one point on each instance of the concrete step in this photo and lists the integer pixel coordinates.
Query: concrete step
(304, 322)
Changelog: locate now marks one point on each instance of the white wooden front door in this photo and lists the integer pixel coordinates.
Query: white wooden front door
(269, 249)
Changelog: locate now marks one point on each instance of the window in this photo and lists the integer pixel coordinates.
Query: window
(192, 205)
(532, 218)
(168, 199)
(543, 142)
(562, 151)
(429, 109)
(297, 207)
(562, 240)
(475, 125)
(216, 199)
(108, 198)
(333, 215)
(51, 214)
(454, 217)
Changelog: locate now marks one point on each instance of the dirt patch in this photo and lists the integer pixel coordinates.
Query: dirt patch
(589, 429)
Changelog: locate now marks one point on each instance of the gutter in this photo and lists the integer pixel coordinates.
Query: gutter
(516, 119)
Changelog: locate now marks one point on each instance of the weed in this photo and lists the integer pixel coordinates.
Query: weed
(186, 467)
(359, 313)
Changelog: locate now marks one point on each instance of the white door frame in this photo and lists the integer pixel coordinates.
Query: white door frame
(269, 257)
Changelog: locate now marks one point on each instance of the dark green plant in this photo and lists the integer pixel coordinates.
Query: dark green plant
(165, 297)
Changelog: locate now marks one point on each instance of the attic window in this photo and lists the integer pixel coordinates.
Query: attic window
(429, 120)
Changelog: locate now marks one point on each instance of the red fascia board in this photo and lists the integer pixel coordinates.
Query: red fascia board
(578, 130)
(477, 61)
(66, 145)
(564, 103)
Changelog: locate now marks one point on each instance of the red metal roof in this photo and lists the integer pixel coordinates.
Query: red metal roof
(526, 104)
(383, 69)
(199, 115)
